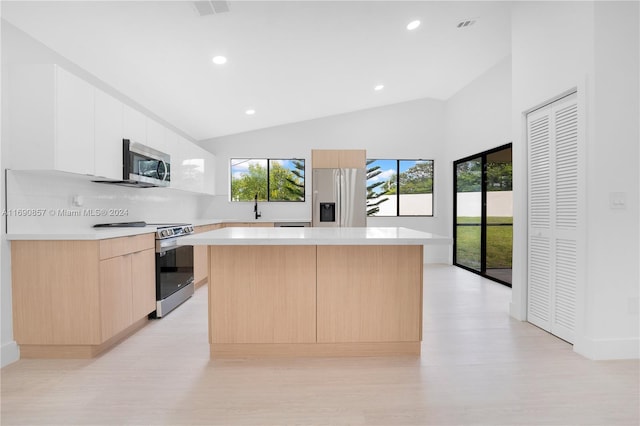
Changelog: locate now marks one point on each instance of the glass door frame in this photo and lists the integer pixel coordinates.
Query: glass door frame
(483, 216)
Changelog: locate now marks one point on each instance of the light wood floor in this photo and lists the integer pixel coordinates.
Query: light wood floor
(478, 366)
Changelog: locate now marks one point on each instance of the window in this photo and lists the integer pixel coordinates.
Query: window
(269, 179)
(399, 187)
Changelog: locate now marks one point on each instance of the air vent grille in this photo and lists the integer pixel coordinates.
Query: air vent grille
(466, 23)
(211, 7)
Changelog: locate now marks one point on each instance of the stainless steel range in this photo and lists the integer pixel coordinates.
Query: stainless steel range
(174, 267)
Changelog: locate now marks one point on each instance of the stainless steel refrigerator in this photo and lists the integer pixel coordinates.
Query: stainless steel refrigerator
(339, 197)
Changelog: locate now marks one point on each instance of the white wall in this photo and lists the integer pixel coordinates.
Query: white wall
(559, 46)
(21, 48)
(407, 130)
(613, 325)
(8, 348)
(53, 191)
(478, 118)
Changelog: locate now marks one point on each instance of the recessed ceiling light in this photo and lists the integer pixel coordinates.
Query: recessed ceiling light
(219, 60)
(250, 111)
(378, 87)
(413, 25)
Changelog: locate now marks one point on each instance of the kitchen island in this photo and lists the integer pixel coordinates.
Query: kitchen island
(314, 291)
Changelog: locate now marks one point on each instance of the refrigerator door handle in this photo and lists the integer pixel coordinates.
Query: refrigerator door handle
(338, 191)
(315, 212)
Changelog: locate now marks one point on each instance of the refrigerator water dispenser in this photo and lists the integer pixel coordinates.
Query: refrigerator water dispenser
(327, 212)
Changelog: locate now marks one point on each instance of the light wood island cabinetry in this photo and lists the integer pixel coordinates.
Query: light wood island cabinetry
(369, 293)
(314, 291)
(200, 259)
(75, 299)
(262, 294)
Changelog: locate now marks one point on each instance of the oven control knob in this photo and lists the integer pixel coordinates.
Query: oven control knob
(169, 231)
(163, 233)
(188, 229)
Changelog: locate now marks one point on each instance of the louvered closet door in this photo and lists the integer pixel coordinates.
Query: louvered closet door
(554, 197)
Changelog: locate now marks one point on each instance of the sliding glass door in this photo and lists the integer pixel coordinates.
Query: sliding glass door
(483, 214)
(468, 246)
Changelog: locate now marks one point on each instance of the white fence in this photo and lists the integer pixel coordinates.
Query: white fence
(411, 205)
(499, 203)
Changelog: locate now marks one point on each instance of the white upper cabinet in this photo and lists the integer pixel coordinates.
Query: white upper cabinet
(171, 145)
(58, 121)
(51, 120)
(75, 124)
(108, 139)
(192, 168)
(156, 138)
(179, 155)
(209, 173)
(134, 126)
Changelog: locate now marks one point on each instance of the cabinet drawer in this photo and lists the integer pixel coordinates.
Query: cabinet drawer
(120, 246)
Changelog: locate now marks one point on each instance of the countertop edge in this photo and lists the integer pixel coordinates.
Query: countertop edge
(314, 236)
(90, 235)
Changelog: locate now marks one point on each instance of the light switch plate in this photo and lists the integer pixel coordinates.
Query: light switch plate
(618, 200)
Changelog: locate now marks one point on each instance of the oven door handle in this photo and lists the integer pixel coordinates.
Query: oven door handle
(163, 246)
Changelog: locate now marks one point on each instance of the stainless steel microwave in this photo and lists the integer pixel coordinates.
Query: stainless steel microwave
(145, 166)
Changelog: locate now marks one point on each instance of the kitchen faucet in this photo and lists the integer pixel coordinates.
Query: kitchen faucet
(255, 207)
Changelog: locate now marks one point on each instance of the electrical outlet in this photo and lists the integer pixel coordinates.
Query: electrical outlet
(618, 200)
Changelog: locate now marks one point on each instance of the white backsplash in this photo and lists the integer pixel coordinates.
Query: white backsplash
(220, 207)
(44, 202)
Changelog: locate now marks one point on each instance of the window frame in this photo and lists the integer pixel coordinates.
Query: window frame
(397, 182)
(268, 188)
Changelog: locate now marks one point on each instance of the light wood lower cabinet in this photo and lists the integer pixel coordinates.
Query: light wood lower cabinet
(143, 283)
(75, 299)
(115, 295)
(56, 296)
(200, 259)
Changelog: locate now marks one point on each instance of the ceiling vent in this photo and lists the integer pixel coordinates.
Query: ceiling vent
(466, 23)
(210, 7)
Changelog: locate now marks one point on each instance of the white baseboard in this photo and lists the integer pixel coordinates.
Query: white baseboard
(515, 312)
(435, 254)
(9, 353)
(608, 349)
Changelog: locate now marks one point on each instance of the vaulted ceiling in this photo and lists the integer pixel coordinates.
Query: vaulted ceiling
(289, 61)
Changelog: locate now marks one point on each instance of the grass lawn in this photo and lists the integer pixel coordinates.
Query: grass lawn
(499, 242)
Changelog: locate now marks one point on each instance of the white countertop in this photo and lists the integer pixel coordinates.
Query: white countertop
(105, 233)
(314, 236)
(82, 234)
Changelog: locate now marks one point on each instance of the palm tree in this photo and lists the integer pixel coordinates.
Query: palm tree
(372, 195)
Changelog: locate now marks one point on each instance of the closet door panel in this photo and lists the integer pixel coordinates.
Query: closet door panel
(555, 199)
(539, 134)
